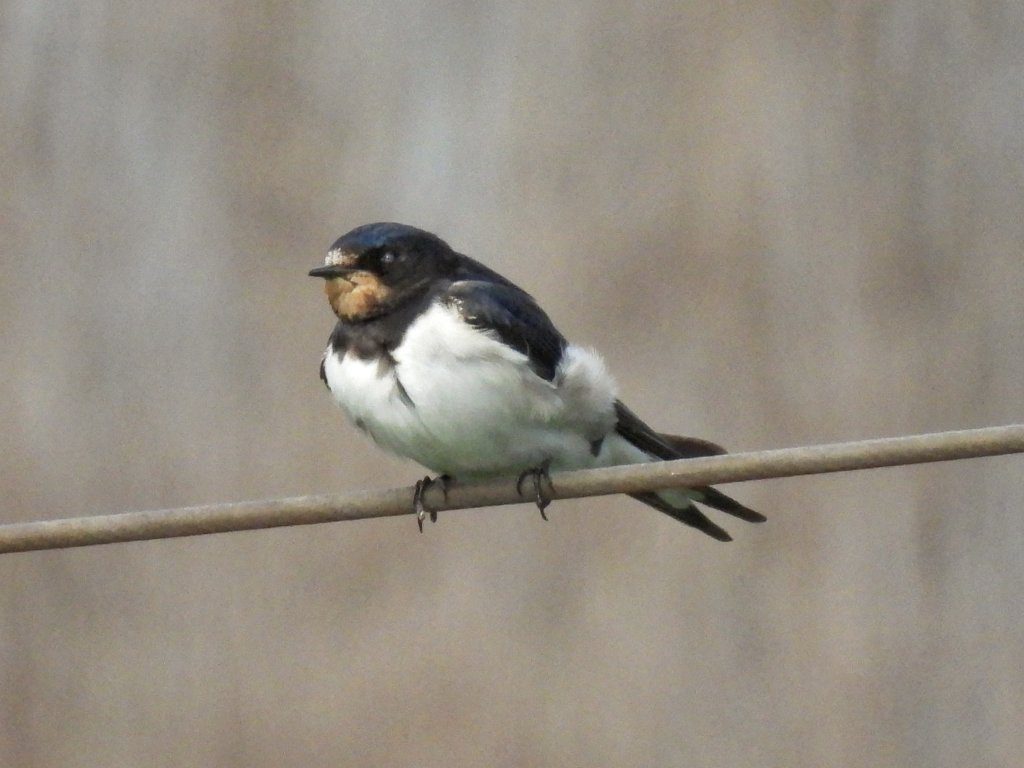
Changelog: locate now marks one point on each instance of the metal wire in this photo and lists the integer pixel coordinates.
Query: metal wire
(305, 510)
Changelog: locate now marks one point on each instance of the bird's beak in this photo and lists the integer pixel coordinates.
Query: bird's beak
(330, 271)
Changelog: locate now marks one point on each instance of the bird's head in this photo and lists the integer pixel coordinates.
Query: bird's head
(377, 268)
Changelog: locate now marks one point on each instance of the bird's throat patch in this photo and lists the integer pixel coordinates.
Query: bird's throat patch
(357, 296)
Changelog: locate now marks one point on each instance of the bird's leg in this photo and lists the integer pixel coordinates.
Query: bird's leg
(417, 501)
(445, 481)
(540, 476)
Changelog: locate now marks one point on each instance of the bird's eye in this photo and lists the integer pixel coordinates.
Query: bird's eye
(388, 258)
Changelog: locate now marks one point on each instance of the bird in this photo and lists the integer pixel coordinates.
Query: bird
(442, 360)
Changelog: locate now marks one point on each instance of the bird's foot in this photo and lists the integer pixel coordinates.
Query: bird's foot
(445, 481)
(540, 476)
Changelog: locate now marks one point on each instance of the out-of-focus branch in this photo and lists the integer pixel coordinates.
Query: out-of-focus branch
(304, 510)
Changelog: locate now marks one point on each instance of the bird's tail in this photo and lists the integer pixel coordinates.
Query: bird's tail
(679, 504)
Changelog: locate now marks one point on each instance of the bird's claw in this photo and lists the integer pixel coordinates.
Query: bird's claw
(418, 507)
(540, 476)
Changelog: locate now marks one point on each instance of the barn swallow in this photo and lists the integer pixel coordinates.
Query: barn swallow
(442, 360)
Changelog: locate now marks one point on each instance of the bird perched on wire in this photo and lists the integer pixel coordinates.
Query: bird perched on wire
(442, 360)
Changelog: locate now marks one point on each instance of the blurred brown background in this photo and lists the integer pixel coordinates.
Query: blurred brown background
(782, 223)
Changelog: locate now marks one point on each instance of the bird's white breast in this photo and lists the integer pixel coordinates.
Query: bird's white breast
(460, 401)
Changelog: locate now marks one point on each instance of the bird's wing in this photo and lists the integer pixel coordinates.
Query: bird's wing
(513, 316)
(666, 447)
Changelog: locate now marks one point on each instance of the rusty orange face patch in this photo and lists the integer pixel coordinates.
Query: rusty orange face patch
(356, 296)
